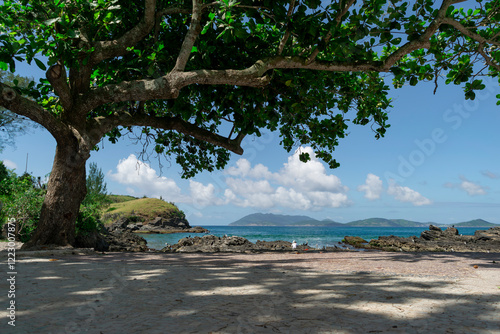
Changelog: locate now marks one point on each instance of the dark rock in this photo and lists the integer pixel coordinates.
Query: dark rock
(197, 229)
(121, 224)
(432, 233)
(126, 241)
(435, 228)
(158, 221)
(354, 241)
(436, 240)
(450, 231)
(93, 239)
(211, 243)
(491, 234)
(274, 245)
(160, 224)
(114, 239)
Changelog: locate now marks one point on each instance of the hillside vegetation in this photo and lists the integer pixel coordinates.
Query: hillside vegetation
(120, 198)
(269, 219)
(476, 223)
(143, 209)
(382, 222)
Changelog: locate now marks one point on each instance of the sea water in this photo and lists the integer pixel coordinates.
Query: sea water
(314, 236)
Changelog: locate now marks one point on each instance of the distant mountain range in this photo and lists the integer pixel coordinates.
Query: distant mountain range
(269, 219)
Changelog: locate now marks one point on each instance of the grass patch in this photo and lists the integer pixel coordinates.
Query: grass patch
(144, 208)
(120, 198)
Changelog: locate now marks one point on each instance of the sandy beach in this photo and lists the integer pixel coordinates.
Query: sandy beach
(339, 292)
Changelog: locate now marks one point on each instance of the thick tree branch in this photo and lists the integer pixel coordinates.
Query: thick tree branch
(457, 25)
(10, 99)
(138, 90)
(253, 76)
(56, 75)
(118, 47)
(173, 123)
(168, 87)
(190, 39)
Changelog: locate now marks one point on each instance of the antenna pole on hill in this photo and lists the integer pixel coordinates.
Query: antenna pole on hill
(26, 171)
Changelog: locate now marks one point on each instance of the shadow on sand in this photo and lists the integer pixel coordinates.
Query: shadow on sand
(222, 293)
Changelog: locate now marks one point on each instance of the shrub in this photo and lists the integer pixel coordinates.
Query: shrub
(22, 200)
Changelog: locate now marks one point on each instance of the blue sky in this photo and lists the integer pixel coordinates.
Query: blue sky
(439, 162)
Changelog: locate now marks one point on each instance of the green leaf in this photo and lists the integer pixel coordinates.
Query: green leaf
(4, 66)
(205, 28)
(396, 41)
(40, 64)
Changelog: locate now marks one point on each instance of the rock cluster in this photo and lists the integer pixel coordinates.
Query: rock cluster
(436, 240)
(234, 244)
(122, 235)
(210, 243)
(112, 241)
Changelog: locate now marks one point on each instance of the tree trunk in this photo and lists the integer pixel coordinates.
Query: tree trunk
(66, 190)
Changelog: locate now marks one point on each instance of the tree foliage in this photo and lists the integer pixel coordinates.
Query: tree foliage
(194, 78)
(21, 198)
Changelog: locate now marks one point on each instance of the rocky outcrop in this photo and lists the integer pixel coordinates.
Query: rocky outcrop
(157, 225)
(210, 244)
(355, 241)
(123, 235)
(94, 239)
(437, 240)
(126, 241)
(233, 244)
(116, 240)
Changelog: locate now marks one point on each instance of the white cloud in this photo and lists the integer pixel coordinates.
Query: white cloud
(372, 188)
(297, 185)
(490, 175)
(308, 177)
(140, 175)
(243, 168)
(405, 194)
(471, 188)
(203, 195)
(9, 164)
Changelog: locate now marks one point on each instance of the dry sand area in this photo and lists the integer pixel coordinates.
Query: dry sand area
(340, 292)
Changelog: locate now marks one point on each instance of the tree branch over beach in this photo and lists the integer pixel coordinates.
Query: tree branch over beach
(197, 77)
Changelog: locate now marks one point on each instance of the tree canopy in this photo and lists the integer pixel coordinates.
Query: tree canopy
(196, 77)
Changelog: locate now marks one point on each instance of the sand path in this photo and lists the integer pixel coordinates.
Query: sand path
(343, 292)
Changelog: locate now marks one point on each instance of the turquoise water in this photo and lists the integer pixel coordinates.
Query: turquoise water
(314, 236)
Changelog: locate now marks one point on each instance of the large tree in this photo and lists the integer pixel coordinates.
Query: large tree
(198, 76)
